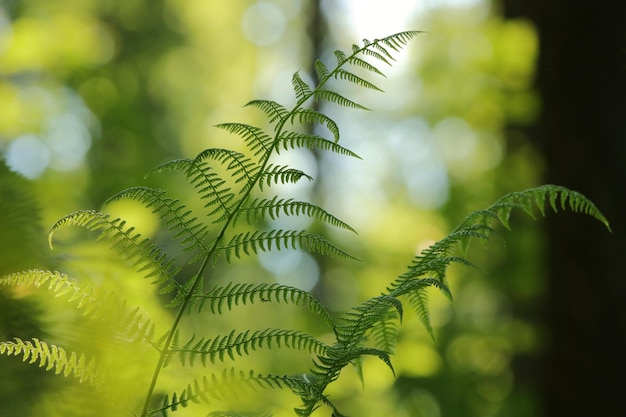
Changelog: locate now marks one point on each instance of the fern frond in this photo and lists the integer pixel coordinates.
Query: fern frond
(359, 320)
(281, 174)
(310, 116)
(321, 71)
(557, 197)
(233, 295)
(239, 166)
(231, 384)
(274, 110)
(384, 332)
(254, 137)
(336, 98)
(244, 343)
(435, 260)
(253, 242)
(355, 79)
(103, 308)
(260, 209)
(379, 56)
(176, 217)
(302, 89)
(293, 140)
(146, 257)
(53, 358)
(207, 182)
(359, 62)
(328, 367)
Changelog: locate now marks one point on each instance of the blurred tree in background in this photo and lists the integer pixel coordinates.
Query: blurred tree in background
(96, 93)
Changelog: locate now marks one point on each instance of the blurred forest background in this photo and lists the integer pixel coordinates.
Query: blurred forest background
(498, 96)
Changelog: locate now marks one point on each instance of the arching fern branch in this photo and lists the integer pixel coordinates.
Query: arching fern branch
(243, 343)
(104, 308)
(435, 260)
(54, 358)
(232, 384)
(234, 295)
(428, 269)
(146, 257)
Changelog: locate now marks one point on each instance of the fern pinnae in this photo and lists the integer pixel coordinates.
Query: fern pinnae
(276, 112)
(301, 88)
(232, 295)
(244, 343)
(280, 174)
(254, 137)
(145, 256)
(336, 98)
(253, 242)
(355, 79)
(240, 166)
(293, 140)
(261, 209)
(177, 218)
(54, 358)
(311, 116)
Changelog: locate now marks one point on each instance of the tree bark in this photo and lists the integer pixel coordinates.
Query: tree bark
(581, 78)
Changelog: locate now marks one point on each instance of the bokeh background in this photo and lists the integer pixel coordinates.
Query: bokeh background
(496, 96)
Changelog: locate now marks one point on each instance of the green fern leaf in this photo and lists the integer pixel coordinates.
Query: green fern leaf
(244, 343)
(341, 57)
(355, 79)
(274, 111)
(302, 89)
(321, 71)
(254, 137)
(359, 320)
(104, 308)
(233, 295)
(358, 62)
(281, 174)
(253, 242)
(146, 257)
(307, 116)
(240, 167)
(293, 140)
(230, 384)
(177, 218)
(261, 209)
(207, 182)
(53, 358)
(334, 97)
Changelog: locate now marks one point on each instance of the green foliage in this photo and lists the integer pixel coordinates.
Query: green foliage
(237, 202)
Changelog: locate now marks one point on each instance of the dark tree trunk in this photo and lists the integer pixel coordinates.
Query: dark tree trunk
(581, 77)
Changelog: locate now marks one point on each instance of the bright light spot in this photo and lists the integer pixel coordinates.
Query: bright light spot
(424, 172)
(372, 18)
(28, 155)
(263, 23)
(415, 359)
(69, 140)
(280, 263)
(455, 138)
(302, 160)
(135, 214)
(295, 268)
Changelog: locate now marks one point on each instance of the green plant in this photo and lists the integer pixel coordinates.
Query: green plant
(235, 192)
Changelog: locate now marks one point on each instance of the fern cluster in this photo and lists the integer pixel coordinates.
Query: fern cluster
(236, 189)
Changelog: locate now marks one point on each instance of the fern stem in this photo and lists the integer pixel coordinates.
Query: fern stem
(215, 246)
